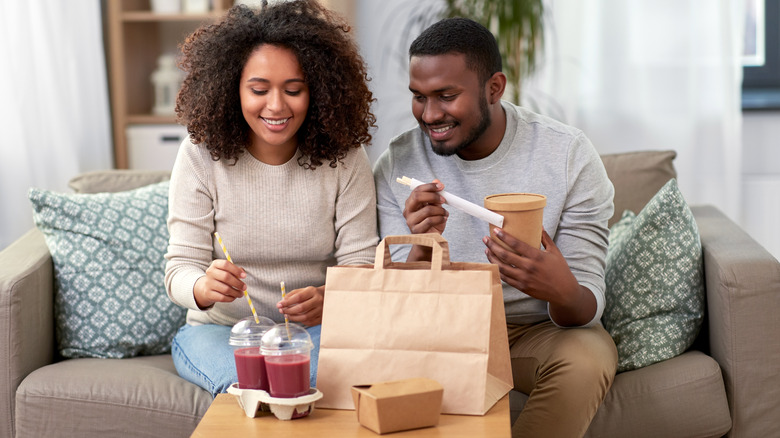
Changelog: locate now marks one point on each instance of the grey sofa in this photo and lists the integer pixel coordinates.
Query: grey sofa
(727, 384)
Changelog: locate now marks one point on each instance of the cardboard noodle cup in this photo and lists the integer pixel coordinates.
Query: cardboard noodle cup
(523, 214)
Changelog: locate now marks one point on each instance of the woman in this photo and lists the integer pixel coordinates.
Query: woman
(277, 107)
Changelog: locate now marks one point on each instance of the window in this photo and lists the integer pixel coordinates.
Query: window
(761, 60)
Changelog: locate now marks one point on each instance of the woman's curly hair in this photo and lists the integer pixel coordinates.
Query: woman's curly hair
(339, 116)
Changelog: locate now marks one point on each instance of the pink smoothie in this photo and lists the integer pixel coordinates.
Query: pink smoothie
(250, 366)
(288, 375)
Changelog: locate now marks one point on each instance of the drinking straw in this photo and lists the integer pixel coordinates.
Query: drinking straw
(460, 203)
(286, 321)
(227, 256)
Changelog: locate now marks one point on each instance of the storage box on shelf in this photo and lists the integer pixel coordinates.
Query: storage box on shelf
(153, 147)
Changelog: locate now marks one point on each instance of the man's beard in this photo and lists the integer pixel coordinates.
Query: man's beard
(473, 135)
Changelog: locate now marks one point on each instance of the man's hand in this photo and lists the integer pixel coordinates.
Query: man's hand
(221, 284)
(544, 275)
(304, 305)
(424, 213)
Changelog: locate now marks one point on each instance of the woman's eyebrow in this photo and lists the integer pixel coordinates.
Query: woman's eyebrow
(267, 81)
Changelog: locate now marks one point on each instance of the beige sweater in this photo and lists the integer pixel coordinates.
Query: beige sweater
(280, 223)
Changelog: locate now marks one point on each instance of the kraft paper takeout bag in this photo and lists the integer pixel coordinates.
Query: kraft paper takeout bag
(441, 320)
(386, 407)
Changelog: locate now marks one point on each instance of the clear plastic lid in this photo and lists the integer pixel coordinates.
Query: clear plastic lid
(248, 333)
(286, 339)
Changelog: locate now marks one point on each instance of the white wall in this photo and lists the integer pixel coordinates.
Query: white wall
(761, 178)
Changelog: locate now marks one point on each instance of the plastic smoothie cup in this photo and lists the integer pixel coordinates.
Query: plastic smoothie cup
(246, 338)
(287, 349)
(523, 214)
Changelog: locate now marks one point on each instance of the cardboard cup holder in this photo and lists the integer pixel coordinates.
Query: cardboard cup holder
(253, 401)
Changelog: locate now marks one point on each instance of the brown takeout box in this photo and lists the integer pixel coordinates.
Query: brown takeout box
(398, 405)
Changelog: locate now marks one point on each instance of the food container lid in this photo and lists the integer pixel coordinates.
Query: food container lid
(515, 201)
(285, 339)
(248, 333)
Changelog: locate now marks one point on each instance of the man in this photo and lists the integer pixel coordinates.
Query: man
(478, 145)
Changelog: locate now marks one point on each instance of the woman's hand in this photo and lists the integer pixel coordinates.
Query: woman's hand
(304, 305)
(221, 284)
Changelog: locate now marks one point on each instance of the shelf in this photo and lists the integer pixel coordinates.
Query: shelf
(146, 16)
(136, 39)
(150, 119)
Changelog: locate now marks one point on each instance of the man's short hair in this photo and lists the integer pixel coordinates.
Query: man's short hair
(464, 36)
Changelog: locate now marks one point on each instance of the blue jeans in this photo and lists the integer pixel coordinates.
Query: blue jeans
(202, 355)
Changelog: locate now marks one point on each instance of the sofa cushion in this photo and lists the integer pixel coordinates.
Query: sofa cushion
(107, 398)
(654, 281)
(683, 397)
(107, 251)
(116, 180)
(637, 176)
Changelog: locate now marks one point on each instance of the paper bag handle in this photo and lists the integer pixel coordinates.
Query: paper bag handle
(441, 250)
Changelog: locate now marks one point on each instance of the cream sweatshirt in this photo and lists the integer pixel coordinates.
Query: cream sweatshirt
(279, 223)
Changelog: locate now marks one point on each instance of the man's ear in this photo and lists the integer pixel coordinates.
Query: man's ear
(496, 87)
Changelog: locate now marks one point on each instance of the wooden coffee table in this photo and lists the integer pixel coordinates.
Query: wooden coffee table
(226, 418)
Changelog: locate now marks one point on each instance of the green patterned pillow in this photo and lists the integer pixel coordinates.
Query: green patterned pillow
(107, 250)
(654, 278)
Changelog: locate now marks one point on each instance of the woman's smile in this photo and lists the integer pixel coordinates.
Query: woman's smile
(274, 101)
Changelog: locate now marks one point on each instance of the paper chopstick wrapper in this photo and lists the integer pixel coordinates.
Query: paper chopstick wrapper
(460, 203)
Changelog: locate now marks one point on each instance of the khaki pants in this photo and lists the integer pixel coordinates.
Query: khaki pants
(566, 373)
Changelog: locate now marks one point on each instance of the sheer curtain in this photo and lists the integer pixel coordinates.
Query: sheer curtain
(651, 74)
(54, 113)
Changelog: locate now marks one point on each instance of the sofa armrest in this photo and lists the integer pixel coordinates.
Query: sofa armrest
(743, 303)
(26, 317)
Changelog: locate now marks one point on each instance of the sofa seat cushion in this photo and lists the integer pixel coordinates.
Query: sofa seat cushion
(139, 397)
(680, 397)
(683, 396)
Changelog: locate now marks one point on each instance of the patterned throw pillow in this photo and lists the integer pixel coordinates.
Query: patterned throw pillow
(655, 283)
(107, 250)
